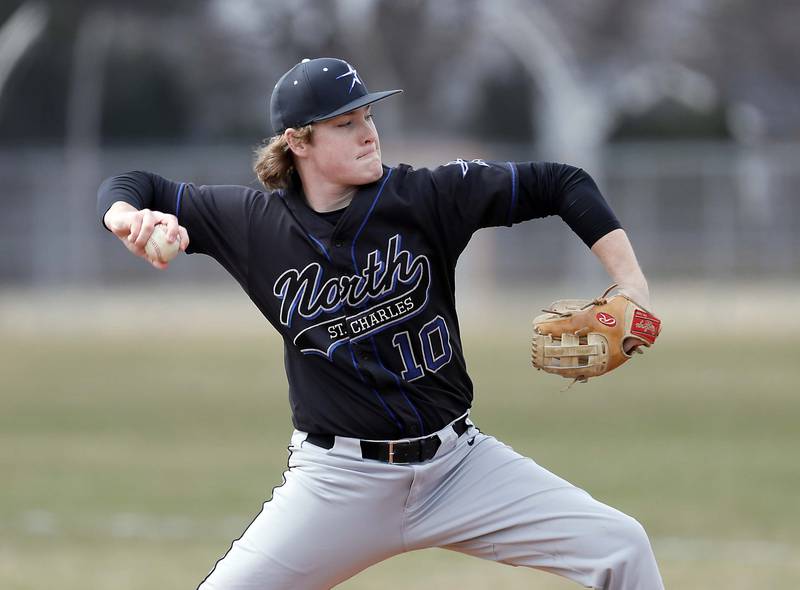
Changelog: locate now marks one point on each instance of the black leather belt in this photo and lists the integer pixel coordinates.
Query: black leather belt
(399, 451)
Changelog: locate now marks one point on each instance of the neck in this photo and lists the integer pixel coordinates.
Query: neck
(324, 202)
(323, 196)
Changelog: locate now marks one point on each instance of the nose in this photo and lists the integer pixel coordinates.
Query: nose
(368, 133)
(369, 137)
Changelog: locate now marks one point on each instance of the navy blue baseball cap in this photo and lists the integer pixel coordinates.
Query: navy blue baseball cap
(316, 90)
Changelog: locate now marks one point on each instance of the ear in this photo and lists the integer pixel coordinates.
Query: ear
(298, 147)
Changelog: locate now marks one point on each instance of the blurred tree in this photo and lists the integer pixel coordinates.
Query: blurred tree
(33, 108)
(586, 69)
(144, 99)
(18, 32)
(755, 58)
(669, 119)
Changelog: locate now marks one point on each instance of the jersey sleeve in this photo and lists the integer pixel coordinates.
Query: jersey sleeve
(470, 195)
(217, 218)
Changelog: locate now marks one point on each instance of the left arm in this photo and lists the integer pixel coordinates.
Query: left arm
(469, 195)
(616, 254)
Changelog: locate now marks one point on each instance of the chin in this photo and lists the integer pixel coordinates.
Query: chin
(377, 170)
(371, 173)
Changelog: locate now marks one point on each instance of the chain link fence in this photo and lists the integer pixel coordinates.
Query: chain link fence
(700, 212)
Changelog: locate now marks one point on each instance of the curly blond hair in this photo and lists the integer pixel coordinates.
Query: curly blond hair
(274, 164)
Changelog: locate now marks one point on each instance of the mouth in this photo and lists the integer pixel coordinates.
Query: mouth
(368, 154)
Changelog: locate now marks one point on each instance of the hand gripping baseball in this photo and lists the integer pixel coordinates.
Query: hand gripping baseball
(578, 339)
(135, 228)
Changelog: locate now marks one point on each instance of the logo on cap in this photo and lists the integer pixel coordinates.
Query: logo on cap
(351, 71)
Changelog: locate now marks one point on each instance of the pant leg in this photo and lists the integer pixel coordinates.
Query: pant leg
(333, 517)
(488, 501)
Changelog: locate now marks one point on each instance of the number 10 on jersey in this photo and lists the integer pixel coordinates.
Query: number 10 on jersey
(434, 339)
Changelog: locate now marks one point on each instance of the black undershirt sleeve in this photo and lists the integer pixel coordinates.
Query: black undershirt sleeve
(471, 195)
(569, 192)
(216, 217)
(143, 190)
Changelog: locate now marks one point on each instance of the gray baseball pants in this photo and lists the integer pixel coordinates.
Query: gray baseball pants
(337, 514)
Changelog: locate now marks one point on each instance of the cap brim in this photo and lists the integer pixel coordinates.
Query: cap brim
(359, 102)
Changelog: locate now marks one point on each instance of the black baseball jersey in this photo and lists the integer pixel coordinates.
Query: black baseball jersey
(365, 299)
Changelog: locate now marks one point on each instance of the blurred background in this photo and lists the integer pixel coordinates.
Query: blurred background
(143, 415)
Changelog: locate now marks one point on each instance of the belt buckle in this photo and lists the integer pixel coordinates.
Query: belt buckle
(391, 451)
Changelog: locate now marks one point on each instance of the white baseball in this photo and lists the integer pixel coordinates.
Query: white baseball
(158, 248)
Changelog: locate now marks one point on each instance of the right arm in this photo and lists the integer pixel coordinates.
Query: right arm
(217, 217)
(131, 205)
(133, 227)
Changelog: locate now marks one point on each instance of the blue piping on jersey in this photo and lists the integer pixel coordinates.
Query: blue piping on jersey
(513, 207)
(310, 237)
(178, 199)
(366, 218)
(399, 386)
(378, 395)
(321, 246)
(355, 268)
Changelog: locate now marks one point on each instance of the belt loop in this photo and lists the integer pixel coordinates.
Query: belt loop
(447, 437)
(391, 451)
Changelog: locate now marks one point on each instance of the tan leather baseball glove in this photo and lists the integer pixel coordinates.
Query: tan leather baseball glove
(579, 339)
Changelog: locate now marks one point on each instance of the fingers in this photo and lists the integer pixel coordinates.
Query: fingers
(184, 235)
(632, 344)
(143, 223)
(135, 227)
(146, 225)
(172, 226)
(158, 264)
(174, 230)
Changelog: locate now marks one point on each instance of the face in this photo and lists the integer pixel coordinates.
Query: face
(344, 150)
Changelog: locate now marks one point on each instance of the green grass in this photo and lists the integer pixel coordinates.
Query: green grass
(132, 461)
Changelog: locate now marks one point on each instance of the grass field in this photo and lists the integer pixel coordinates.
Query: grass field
(133, 450)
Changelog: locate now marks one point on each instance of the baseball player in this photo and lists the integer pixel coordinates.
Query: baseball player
(353, 263)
